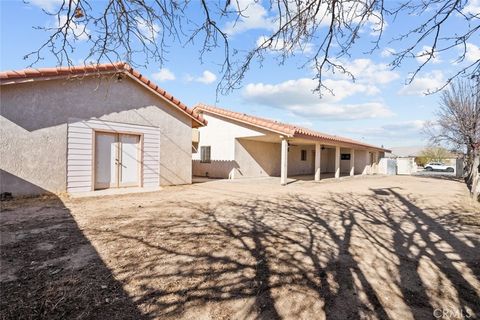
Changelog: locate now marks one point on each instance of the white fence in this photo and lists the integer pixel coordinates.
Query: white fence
(407, 166)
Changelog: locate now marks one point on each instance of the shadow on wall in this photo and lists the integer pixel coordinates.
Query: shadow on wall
(341, 257)
(10, 182)
(81, 98)
(258, 158)
(221, 169)
(50, 270)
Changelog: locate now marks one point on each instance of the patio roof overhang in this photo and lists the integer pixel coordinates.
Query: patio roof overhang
(287, 131)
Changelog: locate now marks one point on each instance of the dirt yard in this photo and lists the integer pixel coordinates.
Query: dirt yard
(362, 248)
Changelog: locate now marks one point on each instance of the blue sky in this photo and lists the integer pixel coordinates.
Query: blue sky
(378, 108)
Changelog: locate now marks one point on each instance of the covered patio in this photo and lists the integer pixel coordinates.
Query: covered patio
(314, 158)
(236, 145)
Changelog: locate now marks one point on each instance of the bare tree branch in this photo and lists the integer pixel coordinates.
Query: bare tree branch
(138, 31)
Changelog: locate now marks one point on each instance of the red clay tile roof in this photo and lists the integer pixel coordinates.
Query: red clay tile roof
(282, 128)
(120, 67)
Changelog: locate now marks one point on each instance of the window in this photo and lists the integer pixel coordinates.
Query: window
(345, 156)
(303, 155)
(205, 154)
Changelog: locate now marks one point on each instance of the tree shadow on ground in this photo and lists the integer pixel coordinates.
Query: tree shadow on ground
(346, 256)
(50, 270)
(439, 176)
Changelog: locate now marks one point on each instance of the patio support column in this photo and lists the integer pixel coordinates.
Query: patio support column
(284, 162)
(318, 155)
(368, 165)
(375, 163)
(337, 162)
(352, 162)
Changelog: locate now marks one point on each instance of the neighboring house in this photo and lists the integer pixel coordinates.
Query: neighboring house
(81, 129)
(236, 145)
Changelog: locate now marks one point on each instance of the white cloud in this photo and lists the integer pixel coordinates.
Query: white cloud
(387, 52)
(305, 124)
(74, 30)
(400, 129)
(375, 24)
(279, 45)
(147, 29)
(354, 12)
(369, 110)
(368, 72)
(163, 75)
(421, 85)
(253, 16)
(414, 125)
(424, 54)
(400, 133)
(300, 91)
(207, 77)
(48, 5)
(472, 53)
(297, 97)
(472, 8)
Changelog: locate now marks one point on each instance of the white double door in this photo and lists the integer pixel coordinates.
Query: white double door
(117, 160)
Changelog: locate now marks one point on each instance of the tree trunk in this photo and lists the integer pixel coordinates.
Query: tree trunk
(475, 177)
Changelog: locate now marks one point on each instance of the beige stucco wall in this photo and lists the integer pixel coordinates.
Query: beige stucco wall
(327, 160)
(33, 127)
(235, 157)
(237, 152)
(295, 164)
(257, 159)
(229, 157)
(220, 135)
(345, 165)
(361, 163)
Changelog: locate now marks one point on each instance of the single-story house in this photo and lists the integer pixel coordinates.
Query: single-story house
(79, 129)
(236, 145)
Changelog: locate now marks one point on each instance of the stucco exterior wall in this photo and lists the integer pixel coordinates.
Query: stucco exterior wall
(34, 117)
(327, 160)
(231, 158)
(295, 164)
(345, 165)
(257, 159)
(260, 159)
(366, 162)
(361, 164)
(220, 135)
(235, 153)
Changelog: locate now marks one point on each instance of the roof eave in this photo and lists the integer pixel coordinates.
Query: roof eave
(191, 114)
(283, 133)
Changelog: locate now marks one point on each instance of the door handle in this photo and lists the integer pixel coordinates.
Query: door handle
(118, 163)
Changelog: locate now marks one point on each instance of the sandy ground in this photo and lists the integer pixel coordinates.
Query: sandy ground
(360, 248)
